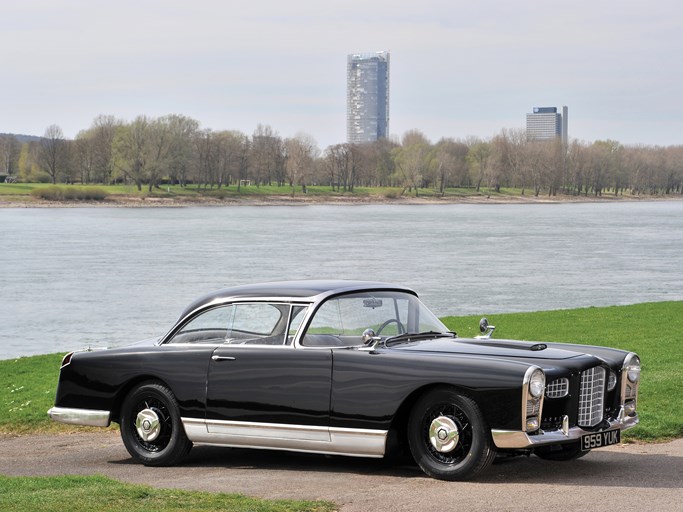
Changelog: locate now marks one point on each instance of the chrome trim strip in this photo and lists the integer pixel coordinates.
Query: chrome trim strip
(519, 439)
(299, 438)
(88, 417)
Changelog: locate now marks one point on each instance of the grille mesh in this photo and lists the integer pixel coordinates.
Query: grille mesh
(591, 396)
(557, 388)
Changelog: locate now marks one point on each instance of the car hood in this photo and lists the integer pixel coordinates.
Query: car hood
(490, 348)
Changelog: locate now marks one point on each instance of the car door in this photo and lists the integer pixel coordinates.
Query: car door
(260, 385)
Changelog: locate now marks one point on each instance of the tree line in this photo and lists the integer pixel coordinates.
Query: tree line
(149, 152)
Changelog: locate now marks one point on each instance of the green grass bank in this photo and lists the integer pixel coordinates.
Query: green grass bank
(27, 384)
(47, 194)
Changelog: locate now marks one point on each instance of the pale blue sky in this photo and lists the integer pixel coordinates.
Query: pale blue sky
(457, 68)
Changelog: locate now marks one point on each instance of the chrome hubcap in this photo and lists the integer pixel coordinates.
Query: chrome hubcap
(443, 434)
(147, 424)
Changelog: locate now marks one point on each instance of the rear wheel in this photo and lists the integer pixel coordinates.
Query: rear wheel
(151, 428)
(448, 436)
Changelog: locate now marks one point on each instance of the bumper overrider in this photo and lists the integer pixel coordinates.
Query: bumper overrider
(88, 417)
(516, 439)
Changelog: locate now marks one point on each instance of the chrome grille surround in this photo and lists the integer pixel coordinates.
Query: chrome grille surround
(591, 397)
(557, 388)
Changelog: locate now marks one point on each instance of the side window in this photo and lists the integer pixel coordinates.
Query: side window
(209, 327)
(258, 324)
(341, 321)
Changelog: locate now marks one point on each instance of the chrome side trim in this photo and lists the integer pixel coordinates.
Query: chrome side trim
(89, 417)
(299, 438)
(519, 439)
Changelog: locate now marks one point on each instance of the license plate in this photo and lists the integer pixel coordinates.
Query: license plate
(600, 439)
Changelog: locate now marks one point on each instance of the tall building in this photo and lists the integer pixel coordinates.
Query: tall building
(367, 97)
(545, 123)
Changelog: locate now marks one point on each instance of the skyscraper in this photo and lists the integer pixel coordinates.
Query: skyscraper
(545, 123)
(367, 97)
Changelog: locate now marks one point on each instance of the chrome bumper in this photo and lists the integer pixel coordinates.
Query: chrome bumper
(519, 439)
(89, 417)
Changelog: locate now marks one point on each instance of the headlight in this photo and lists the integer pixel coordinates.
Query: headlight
(537, 383)
(633, 369)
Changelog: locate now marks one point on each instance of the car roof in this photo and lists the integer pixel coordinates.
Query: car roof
(304, 290)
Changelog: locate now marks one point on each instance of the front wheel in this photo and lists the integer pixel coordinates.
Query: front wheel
(448, 436)
(151, 428)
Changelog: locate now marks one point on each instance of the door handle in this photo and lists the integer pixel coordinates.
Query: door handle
(222, 358)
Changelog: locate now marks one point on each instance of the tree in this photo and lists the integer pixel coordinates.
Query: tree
(267, 156)
(101, 134)
(52, 152)
(413, 160)
(301, 150)
(131, 149)
(10, 149)
(451, 163)
(478, 160)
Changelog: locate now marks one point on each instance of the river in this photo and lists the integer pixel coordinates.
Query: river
(73, 277)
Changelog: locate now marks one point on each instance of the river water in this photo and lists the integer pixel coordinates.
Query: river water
(75, 277)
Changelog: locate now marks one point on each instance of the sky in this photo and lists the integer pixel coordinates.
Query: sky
(458, 68)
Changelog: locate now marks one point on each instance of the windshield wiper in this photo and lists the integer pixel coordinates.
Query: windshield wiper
(412, 336)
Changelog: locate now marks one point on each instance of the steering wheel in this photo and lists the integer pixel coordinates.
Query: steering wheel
(399, 325)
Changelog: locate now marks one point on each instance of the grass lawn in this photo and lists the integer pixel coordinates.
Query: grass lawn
(95, 493)
(176, 191)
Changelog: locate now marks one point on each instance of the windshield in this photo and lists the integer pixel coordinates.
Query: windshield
(342, 320)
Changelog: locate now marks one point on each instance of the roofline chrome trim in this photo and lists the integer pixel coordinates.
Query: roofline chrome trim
(280, 436)
(519, 439)
(342, 288)
(88, 417)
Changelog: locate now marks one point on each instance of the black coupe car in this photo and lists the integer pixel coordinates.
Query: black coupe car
(348, 368)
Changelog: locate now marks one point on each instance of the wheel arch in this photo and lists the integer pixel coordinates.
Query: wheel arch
(125, 390)
(398, 431)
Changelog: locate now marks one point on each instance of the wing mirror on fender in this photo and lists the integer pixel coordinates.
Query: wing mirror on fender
(486, 329)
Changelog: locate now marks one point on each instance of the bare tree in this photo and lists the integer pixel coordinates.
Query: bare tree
(301, 150)
(10, 150)
(102, 133)
(53, 152)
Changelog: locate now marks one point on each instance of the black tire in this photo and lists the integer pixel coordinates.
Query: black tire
(473, 450)
(561, 452)
(162, 445)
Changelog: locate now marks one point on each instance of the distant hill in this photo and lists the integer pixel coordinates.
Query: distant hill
(21, 138)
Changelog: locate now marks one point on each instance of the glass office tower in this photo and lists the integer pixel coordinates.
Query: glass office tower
(367, 97)
(546, 123)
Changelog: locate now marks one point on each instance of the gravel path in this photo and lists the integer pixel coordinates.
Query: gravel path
(627, 477)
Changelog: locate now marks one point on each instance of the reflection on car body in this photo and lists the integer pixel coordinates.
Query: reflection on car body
(350, 368)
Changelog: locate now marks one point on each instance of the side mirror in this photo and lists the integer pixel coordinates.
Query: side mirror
(486, 329)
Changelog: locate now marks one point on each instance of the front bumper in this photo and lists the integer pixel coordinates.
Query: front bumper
(89, 417)
(518, 439)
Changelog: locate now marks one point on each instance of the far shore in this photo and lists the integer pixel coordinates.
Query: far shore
(300, 199)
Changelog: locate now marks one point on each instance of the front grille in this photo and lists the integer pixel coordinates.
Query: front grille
(591, 397)
(557, 388)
